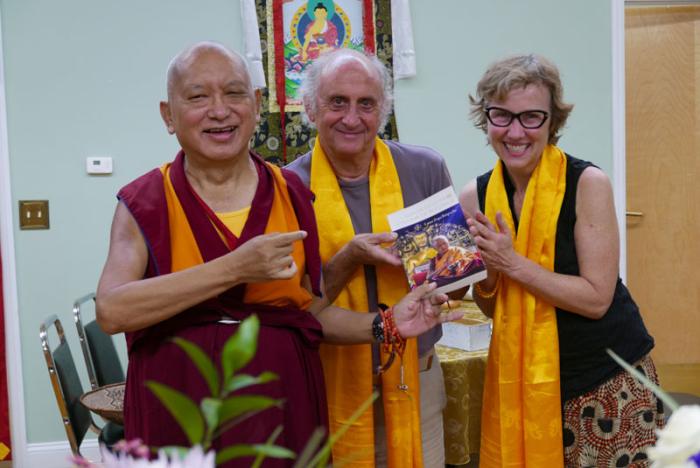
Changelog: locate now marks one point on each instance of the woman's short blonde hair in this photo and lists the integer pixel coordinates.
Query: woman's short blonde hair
(517, 72)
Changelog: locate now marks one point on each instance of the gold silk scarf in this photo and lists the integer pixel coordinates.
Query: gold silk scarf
(521, 416)
(185, 252)
(348, 368)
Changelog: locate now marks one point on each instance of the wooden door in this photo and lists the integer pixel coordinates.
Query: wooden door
(663, 156)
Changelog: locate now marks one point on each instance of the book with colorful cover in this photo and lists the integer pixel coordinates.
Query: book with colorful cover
(435, 245)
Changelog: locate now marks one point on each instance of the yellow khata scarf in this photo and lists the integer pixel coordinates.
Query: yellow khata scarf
(185, 252)
(521, 417)
(348, 368)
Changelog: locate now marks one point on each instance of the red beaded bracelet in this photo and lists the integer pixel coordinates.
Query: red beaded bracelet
(393, 343)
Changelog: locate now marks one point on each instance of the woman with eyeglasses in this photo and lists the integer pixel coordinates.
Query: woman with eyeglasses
(546, 227)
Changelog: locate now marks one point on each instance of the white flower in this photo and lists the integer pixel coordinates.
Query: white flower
(679, 440)
(195, 458)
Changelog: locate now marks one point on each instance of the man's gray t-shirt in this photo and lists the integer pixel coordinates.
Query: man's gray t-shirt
(422, 172)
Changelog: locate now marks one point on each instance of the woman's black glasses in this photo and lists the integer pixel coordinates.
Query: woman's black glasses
(529, 119)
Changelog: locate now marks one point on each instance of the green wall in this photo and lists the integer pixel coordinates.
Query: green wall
(457, 41)
(84, 77)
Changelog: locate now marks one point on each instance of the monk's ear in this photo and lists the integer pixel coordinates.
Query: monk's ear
(258, 104)
(167, 117)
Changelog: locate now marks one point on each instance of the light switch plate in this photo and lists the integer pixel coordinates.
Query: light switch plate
(33, 214)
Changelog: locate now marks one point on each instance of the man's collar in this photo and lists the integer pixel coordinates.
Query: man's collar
(349, 175)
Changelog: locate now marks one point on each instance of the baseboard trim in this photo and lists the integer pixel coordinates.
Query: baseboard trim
(57, 454)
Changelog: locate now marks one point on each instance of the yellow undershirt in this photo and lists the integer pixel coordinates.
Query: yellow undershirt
(235, 220)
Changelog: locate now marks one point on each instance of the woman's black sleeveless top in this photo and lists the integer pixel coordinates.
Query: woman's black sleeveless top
(584, 364)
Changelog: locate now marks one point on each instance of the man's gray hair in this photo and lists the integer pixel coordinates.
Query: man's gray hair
(311, 80)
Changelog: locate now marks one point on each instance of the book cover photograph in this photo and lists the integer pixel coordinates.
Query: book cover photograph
(435, 244)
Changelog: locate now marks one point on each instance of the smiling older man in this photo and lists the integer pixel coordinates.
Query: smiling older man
(211, 238)
(358, 179)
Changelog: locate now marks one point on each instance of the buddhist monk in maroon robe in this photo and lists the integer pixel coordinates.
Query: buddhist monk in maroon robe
(205, 241)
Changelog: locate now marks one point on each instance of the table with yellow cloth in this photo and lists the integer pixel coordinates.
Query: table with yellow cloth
(464, 384)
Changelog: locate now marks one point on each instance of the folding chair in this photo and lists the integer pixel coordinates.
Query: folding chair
(68, 390)
(100, 355)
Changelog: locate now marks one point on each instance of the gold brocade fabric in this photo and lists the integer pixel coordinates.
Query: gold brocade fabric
(348, 368)
(463, 372)
(522, 405)
(186, 254)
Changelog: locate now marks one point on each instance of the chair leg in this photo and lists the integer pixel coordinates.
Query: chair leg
(111, 434)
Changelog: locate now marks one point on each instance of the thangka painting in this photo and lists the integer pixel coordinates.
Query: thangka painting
(309, 29)
(293, 34)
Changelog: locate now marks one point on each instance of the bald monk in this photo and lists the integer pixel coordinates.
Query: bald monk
(212, 237)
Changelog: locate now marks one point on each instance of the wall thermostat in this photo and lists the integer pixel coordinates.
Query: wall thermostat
(99, 165)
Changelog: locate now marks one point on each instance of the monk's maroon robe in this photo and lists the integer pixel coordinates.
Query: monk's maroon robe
(288, 340)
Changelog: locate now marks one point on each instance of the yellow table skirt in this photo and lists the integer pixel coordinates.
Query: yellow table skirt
(464, 383)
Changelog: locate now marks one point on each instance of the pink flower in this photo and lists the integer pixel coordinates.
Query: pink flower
(131, 455)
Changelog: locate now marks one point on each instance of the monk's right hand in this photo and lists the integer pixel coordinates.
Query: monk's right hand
(266, 257)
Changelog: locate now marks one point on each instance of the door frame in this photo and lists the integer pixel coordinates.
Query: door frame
(13, 345)
(619, 179)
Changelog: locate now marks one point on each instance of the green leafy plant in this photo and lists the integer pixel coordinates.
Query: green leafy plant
(204, 422)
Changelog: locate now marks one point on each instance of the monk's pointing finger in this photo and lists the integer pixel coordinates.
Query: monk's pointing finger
(290, 237)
